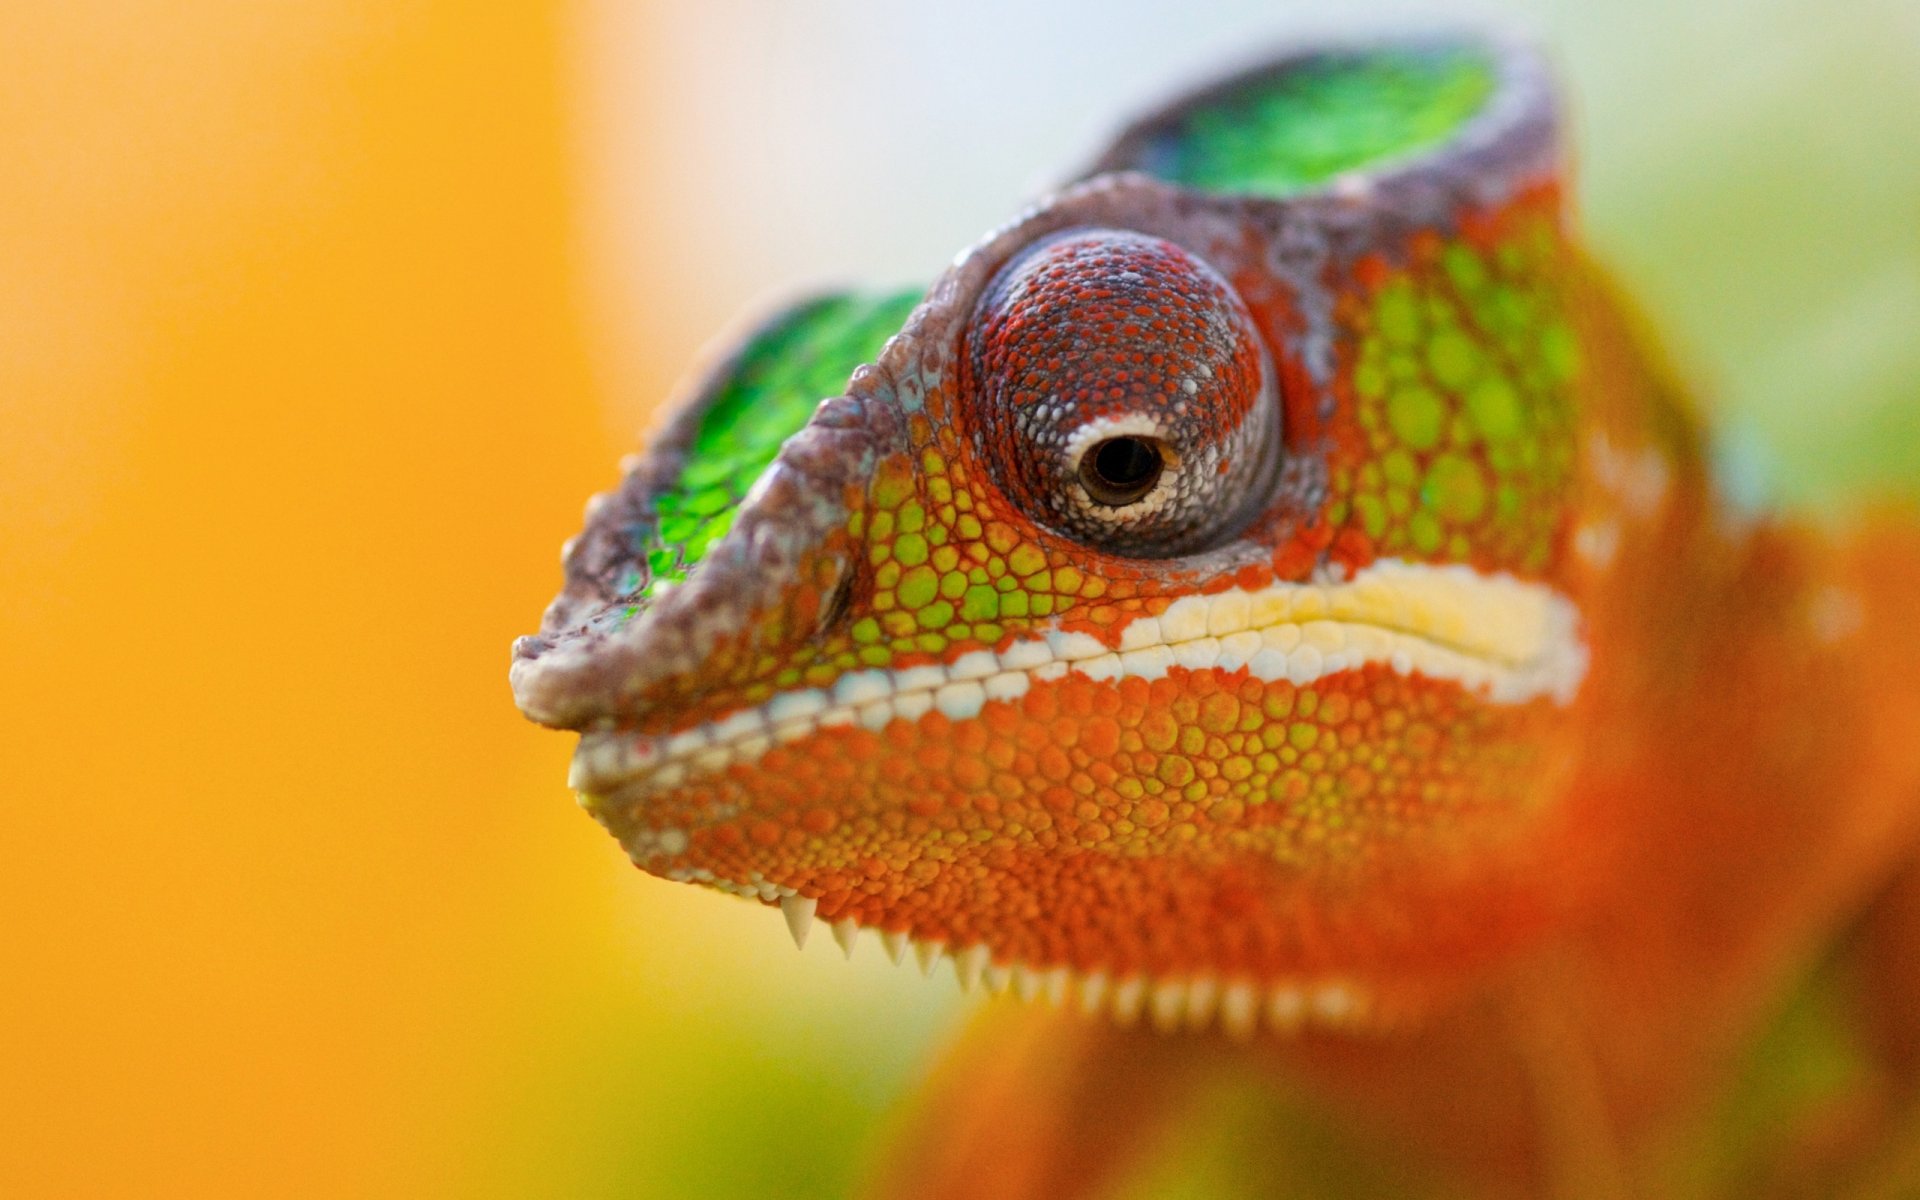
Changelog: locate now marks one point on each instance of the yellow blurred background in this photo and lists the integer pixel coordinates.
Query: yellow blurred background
(319, 322)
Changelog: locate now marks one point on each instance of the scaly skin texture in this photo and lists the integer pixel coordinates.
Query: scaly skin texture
(1269, 588)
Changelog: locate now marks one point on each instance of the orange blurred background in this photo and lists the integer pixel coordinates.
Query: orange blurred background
(295, 410)
(318, 323)
(287, 313)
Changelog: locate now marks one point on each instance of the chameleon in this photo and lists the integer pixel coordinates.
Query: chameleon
(1272, 607)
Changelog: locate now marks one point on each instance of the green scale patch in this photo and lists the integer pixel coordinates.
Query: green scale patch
(1292, 131)
(805, 356)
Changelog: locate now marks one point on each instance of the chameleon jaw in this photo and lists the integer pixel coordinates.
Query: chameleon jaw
(1510, 642)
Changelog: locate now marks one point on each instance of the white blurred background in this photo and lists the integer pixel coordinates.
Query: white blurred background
(1751, 167)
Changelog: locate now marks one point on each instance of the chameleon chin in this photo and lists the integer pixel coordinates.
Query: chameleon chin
(1269, 601)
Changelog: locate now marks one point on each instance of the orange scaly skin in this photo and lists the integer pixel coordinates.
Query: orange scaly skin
(1304, 615)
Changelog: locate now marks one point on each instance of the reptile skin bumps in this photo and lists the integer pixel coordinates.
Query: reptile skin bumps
(1266, 586)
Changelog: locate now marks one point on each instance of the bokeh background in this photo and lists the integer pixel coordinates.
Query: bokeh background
(319, 321)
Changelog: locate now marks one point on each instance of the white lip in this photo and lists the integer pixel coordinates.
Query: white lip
(1509, 640)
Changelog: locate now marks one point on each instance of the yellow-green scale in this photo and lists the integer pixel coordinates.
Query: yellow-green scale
(1462, 382)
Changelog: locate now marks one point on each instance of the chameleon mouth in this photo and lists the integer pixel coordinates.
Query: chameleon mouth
(1506, 639)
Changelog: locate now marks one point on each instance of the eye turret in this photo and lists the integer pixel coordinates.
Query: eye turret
(1122, 394)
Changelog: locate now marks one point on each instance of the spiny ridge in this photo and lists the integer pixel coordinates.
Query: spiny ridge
(1238, 1007)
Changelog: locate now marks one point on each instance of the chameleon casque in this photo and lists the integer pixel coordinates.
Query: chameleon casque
(1270, 600)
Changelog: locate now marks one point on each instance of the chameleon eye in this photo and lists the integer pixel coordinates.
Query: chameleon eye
(1120, 393)
(1121, 471)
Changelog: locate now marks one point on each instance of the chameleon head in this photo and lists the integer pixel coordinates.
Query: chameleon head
(1177, 608)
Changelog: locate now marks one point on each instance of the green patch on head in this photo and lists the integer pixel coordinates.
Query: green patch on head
(803, 357)
(1286, 132)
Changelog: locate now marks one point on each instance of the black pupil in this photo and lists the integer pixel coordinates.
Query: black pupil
(1121, 470)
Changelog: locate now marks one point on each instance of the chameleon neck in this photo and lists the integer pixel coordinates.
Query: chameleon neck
(1781, 653)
